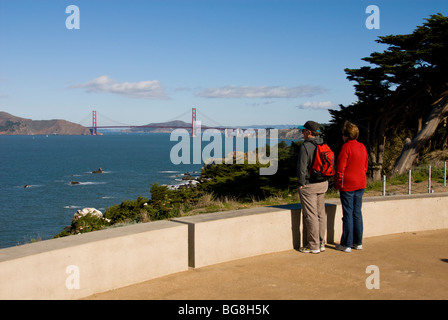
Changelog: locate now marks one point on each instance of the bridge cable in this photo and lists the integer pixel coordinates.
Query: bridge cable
(179, 117)
(112, 121)
(202, 114)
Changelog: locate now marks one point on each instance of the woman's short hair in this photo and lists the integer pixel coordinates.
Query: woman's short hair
(350, 130)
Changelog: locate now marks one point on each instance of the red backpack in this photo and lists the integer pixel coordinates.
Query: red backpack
(323, 167)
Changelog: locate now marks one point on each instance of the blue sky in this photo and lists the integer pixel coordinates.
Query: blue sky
(239, 62)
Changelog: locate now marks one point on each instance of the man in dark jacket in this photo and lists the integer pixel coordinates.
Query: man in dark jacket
(312, 193)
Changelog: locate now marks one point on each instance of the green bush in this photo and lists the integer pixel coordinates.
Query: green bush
(84, 224)
(166, 203)
(88, 223)
(244, 182)
(128, 211)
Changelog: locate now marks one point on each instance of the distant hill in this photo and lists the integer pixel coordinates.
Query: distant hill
(162, 126)
(12, 125)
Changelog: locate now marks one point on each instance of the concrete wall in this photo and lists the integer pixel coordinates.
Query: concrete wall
(225, 236)
(396, 214)
(79, 266)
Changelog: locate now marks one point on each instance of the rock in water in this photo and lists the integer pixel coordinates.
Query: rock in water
(98, 171)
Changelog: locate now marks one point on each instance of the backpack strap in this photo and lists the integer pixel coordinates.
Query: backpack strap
(313, 153)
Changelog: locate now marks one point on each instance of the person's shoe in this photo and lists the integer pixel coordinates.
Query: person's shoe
(357, 247)
(322, 247)
(343, 248)
(308, 250)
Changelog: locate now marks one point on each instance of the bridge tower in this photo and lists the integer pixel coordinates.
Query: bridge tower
(193, 122)
(94, 124)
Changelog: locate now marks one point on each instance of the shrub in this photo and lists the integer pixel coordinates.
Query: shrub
(128, 211)
(88, 223)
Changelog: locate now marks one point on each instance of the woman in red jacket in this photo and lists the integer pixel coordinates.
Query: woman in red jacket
(351, 181)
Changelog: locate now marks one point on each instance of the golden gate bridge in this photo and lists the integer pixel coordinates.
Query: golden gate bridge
(193, 127)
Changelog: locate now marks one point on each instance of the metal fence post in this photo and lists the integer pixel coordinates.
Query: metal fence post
(409, 181)
(429, 179)
(384, 185)
(444, 175)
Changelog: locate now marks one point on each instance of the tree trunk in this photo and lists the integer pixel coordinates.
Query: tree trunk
(377, 143)
(445, 136)
(411, 150)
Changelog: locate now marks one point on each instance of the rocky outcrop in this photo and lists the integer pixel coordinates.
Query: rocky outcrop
(293, 134)
(88, 211)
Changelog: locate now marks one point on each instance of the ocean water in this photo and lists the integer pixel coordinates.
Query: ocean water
(48, 164)
(131, 163)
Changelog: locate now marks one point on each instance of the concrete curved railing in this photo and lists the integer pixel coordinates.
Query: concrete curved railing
(78, 266)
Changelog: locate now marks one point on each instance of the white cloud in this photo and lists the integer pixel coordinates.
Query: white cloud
(266, 92)
(151, 89)
(317, 105)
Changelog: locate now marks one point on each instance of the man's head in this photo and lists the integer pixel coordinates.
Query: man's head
(310, 128)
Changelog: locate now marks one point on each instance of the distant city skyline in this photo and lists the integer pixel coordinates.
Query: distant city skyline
(240, 62)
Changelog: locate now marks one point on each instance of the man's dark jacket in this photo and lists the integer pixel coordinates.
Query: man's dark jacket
(305, 160)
